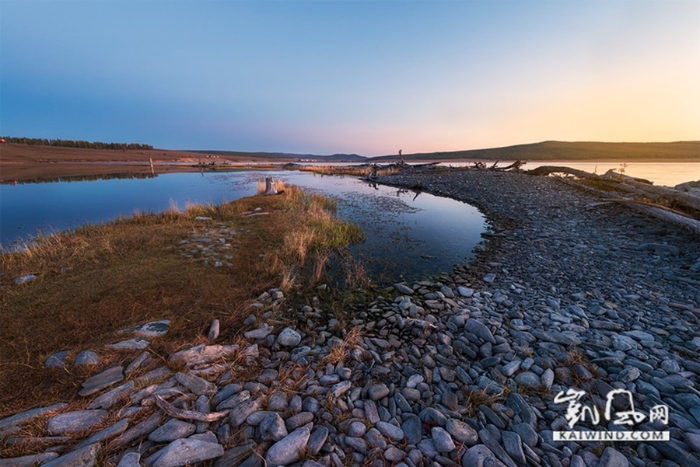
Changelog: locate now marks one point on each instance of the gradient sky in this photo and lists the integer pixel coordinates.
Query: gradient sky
(365, 77)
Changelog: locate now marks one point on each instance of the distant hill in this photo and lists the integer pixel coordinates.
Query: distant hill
(559, 150)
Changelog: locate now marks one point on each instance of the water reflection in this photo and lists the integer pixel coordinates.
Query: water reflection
(409, 233)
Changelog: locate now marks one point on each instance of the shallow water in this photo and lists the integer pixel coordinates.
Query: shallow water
(408, 234)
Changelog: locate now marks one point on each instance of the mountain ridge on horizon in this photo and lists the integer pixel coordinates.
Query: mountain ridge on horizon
(566, 150)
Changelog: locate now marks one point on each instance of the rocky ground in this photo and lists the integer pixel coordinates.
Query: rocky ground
(463, 369)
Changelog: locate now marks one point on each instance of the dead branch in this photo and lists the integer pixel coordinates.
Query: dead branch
(514, 166)
(189, 414)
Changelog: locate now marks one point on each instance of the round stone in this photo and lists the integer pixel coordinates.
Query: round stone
(442, 439)
(289, 338)
(378, 391)
(357, 429)
(528, 379)
(393, 454)
(86, 357)
(57, 360)
(629, 374)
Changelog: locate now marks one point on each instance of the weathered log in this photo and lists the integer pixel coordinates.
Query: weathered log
(654, 210)
(514, 166)
(635, 186)
(679, 197)
(611, 174)
(663, 213)
(545, 170)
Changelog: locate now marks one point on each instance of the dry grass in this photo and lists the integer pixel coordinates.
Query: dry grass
(576, 358)
(339, 352)
(475, 399)
(122, 274)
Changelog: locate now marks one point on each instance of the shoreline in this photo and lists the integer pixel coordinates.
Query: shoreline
(22, 170)
(463, 368)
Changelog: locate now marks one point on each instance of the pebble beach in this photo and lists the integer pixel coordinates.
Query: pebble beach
(567, 292)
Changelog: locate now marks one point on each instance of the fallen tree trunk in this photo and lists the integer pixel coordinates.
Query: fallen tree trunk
(545, 170)
(612, 175)
(660, 212)
(634, 186)
(663, 213)
(514, 166)
(679, 197)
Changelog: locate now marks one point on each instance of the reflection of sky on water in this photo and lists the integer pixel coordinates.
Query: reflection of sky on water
(25, 208)
(407, 234)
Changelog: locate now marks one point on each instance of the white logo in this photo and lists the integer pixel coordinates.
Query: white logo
(577, 412)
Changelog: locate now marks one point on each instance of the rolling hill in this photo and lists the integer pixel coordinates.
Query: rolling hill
(560, 150)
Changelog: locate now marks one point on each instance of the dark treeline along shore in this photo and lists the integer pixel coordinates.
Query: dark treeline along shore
(69, 143)
(571, 289)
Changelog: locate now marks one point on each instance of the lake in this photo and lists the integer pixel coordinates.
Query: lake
(409, 235)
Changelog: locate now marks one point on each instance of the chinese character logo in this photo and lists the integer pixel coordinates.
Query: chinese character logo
(577, 412)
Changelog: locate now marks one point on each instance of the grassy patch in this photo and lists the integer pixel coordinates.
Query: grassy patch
(99, 279)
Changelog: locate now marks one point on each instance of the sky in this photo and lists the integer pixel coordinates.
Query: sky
(365, 77)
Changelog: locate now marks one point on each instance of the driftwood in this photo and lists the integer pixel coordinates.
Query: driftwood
(189, 414)
(545, 170)
(639, 189)
(663, 213)
(612, 175)
(636, 186)
(678, 197)
(514, 166)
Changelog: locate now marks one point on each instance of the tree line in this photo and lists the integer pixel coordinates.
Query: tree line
(69, 143)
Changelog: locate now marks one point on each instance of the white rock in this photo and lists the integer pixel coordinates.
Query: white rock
(289, 338)
(25, 279)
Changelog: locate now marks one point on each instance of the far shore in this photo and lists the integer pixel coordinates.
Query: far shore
(19, 162)
(43, 170)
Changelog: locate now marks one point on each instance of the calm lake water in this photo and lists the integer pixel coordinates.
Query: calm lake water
(408, 234)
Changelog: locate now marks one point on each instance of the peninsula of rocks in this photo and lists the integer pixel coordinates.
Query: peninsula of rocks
(463, 369)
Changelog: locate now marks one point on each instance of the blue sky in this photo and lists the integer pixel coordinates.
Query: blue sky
(365, 77)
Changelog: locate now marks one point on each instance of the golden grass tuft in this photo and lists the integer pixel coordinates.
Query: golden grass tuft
(475, 399)
(339, 352)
